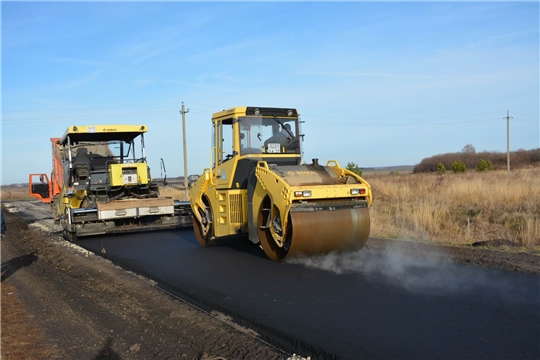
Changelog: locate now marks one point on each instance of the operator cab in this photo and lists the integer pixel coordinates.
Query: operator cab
(269, 135)
(266, 134)
(243, 136)
(104, 159)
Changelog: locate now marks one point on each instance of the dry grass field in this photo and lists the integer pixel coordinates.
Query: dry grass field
(167, 191)
(491, 207)
(15, 193)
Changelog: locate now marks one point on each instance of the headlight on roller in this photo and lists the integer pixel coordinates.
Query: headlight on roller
(303, 193)
(358, 191)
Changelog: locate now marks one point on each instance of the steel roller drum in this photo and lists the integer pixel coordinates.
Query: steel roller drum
(321, 232)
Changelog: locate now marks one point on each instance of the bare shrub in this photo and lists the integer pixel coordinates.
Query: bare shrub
(518, 159)
(468, 149)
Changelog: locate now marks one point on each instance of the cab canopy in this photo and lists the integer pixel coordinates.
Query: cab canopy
(101, 133)
(227, 115)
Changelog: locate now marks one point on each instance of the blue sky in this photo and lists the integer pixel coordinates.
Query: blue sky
(379, 84)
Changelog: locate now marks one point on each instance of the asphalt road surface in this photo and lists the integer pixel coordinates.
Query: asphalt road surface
(348, 306)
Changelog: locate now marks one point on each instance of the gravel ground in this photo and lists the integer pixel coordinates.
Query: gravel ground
(61, 302)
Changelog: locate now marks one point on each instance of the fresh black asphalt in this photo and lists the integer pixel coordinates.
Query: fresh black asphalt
(349, 306)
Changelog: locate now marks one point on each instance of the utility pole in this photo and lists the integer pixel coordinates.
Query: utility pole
(184, 112)
(508, 141)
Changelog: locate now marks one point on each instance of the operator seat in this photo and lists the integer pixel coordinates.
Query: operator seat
(81, 163)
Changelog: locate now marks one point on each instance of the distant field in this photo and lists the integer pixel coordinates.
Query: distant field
(403, 169)
(491, 208)
(473, 208)
(15, 193)
(176, 194)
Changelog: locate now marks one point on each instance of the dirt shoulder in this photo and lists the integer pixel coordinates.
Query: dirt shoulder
(63, 303)
(59, 301)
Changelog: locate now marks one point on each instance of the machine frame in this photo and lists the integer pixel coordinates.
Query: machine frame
(254, 192)
(96, 188)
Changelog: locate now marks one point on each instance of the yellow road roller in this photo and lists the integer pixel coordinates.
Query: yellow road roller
(258, 187)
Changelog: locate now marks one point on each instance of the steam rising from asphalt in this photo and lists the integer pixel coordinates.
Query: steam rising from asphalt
(433, 271)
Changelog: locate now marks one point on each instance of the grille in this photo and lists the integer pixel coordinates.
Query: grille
(236, 208)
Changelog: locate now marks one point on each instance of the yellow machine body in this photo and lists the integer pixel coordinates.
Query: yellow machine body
(261, 189)
(101, 184)
(128, 174)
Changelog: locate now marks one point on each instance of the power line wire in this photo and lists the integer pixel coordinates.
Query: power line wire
(205, 112)
(526, 122)
(515, 112)
(214, 106)
(401, 125)
(80, 117)
(222, 107)
(93, 107)
(115, 106)
(404, 118)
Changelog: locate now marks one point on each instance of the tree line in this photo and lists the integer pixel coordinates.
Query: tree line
(486, 160)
